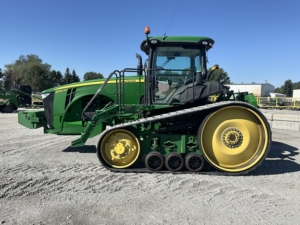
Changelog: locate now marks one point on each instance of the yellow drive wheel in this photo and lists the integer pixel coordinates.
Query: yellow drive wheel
(119, 148)
(234, 139)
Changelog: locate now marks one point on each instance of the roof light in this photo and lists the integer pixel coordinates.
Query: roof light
(147, 30)
(204, 42)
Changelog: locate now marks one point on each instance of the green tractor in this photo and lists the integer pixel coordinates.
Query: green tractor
(161, 119)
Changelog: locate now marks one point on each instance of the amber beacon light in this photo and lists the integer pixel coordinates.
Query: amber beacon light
(147, 30)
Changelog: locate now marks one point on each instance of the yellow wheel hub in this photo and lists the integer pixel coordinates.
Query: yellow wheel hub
(234, 138)
(119, 148)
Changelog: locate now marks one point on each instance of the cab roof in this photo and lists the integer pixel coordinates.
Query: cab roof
(176, 40)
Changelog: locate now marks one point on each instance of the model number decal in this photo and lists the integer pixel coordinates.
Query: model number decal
(62, 90)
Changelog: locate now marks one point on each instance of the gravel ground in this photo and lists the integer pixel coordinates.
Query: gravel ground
(282, 111)
(44, 181)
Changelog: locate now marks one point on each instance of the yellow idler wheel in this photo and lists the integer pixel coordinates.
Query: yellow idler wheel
(234, 139)
(119, 148)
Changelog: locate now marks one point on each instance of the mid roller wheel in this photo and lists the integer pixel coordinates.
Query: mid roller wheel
(194, 162)
(174, 161)
(154, 161)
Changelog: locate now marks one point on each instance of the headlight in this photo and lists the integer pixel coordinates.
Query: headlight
(45, 95)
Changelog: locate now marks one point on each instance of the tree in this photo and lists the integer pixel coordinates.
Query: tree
(70, 77)
(92, 76)
(59, 78)
(75, 78)
(287, 88)
(7, 79)
(220, 76)
(55, 79)
(296, 85)
(13, 75)
(29, 70)
(67, 77)
(278, 90)
(1, 80)
(37, 78)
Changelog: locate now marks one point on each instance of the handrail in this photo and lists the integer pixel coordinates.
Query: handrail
(120, 80)
(84, 115)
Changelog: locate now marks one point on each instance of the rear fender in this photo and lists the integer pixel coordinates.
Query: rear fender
(250, 98)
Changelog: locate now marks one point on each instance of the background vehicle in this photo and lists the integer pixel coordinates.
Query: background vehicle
(18, 95)
(167, 122)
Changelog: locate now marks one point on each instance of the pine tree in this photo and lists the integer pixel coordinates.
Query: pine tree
(67, 77)
(75, 78)
(287, 88)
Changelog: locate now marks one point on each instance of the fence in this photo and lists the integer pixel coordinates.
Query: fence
(278, 102)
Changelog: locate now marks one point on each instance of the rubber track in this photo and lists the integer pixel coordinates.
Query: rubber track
(179, 113)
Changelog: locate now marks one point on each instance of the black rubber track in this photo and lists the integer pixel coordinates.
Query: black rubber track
(214, 106)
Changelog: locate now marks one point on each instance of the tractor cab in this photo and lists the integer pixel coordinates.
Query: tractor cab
(176, 69)
(172, 67)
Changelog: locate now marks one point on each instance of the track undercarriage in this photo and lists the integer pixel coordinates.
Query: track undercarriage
(230, 137)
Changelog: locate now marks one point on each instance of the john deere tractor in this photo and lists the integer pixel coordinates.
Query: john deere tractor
(161, 119)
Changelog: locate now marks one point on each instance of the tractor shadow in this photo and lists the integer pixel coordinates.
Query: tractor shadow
(83, 149)
(280, 160)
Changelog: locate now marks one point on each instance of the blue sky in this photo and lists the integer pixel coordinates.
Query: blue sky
(255, 40)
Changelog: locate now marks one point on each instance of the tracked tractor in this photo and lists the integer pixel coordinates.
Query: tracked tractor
(165, 122)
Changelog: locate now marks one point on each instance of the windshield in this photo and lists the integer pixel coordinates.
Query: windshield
(172, 66)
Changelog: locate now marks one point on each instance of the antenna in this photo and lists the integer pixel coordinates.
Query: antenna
(171, 18)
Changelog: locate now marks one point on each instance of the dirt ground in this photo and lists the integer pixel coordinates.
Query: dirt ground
(44, 181)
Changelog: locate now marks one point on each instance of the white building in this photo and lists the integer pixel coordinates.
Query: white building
(296, 93)
(258, 90)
